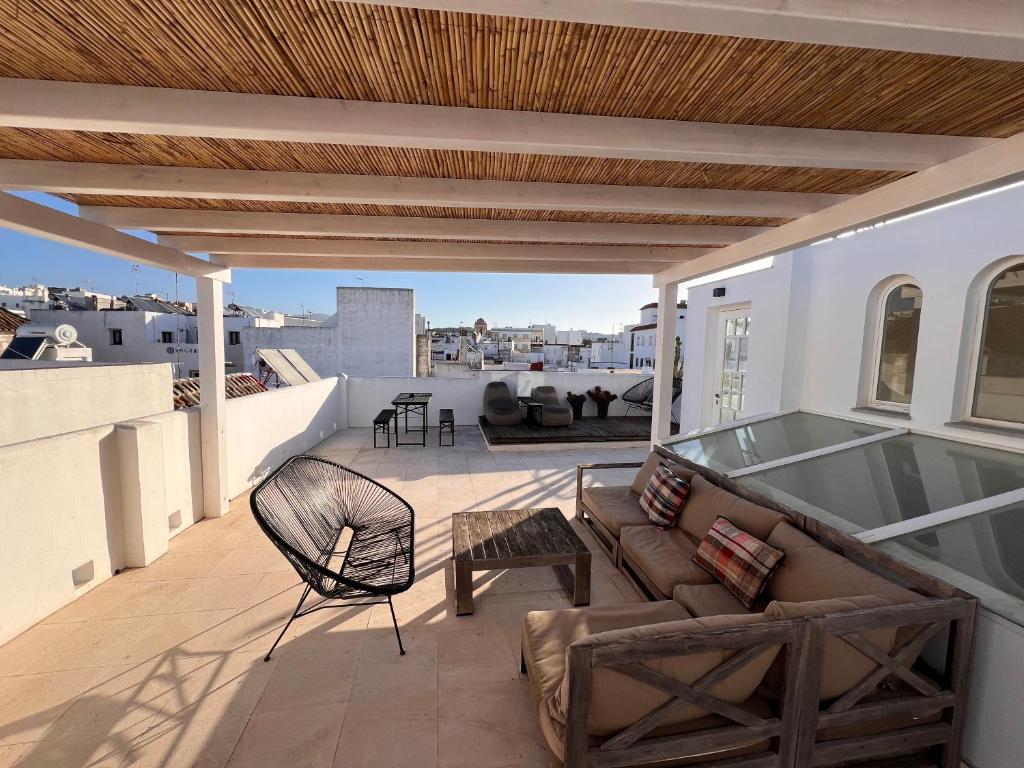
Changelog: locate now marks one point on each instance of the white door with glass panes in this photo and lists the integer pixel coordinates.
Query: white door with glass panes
(731, 368)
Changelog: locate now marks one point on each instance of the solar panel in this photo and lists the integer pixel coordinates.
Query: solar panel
(24, 348)
(280, 365)
(300, 365)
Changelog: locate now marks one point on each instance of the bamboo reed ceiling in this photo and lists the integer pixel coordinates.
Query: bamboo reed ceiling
(179, 151)
(329, 49)
(424, 211)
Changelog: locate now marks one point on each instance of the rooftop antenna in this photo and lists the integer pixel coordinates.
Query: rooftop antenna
(136, 269)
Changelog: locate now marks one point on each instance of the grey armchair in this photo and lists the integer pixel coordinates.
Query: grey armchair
(552, 414)
(500, 408)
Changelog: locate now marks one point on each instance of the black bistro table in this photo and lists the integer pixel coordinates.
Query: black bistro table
(415, 403)
(533, 409)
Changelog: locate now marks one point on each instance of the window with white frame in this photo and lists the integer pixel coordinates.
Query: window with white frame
(999, 379)
(897, 347)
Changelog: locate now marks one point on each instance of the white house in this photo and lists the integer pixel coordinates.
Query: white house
(153, 332)
(915, 324)
(639, 339)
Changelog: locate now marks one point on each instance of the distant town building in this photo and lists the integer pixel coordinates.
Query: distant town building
(480, 326)
(24, 299)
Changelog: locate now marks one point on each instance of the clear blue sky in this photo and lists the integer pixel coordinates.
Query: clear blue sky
(591, 302)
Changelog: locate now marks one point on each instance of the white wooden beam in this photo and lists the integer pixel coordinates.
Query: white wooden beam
(664, 355)
(984, 29)
(294, 246)
(170, 220)
(54, 105)
(979, 171)
(390, 264)
(212, 397)
(42, 221)
(218, 184)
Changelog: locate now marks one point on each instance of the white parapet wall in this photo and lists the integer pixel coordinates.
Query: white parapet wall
(39, 399)
(367, 396)
(265, 429)
(81, 504)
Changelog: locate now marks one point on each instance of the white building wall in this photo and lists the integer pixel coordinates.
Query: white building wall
(766, 293)
(318, 346)
(811, 314)
(378, 331)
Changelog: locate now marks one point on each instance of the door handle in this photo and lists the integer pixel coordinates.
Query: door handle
(718, 397)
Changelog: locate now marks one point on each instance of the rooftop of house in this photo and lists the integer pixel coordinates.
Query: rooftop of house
(10, 321)
(163, 665)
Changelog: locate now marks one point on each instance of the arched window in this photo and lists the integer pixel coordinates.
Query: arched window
(901, 319)
(999, 384)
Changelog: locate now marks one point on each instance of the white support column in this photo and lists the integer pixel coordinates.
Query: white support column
(213, 401)
(664, 355)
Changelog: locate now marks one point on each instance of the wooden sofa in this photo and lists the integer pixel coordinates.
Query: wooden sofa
(850, 658)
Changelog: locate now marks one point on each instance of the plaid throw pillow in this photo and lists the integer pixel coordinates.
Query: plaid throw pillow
(740, 562)
(664, 496)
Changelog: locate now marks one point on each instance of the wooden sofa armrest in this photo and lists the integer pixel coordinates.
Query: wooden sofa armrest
(627, 656)
(581, 468)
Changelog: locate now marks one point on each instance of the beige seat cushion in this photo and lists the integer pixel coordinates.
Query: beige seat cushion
(653, 460)
(614, 507)
(546, 635)
(617, 701)
(711, 600)
(810, 571)
(707, 502)
(663, 556)
(843, 665)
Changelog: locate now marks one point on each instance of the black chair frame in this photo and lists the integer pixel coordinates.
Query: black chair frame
(446, 425)
(305, 506)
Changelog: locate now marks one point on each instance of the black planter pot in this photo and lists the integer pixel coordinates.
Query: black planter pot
(602, 410)
(577, 403)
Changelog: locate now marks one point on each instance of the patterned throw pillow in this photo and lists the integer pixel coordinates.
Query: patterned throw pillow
(664, 496)
(740, 562)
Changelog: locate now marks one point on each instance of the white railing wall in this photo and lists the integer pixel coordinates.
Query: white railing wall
(265, 429)
(367, 396)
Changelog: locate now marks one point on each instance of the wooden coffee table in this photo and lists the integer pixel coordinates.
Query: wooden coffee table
(517, 538)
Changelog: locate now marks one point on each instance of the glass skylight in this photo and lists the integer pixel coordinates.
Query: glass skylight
(775, 438)
(895, 479)
(980, 554)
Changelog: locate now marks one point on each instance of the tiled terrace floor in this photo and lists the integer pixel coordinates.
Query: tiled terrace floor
(163, 666)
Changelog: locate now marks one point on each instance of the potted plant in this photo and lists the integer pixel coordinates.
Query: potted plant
(602, 398)
(576, 402)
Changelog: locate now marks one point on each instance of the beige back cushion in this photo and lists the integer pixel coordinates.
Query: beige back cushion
(843, 665)
(653, 459)
(618, 701)
(810, 571)
(707, 502)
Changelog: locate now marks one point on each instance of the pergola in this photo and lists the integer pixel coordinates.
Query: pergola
(673, 138)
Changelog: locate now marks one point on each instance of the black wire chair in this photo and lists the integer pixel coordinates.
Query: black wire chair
(641, 396)
(307, 505)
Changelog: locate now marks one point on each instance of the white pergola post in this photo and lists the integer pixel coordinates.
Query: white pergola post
(664, 355)
(213, 401)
